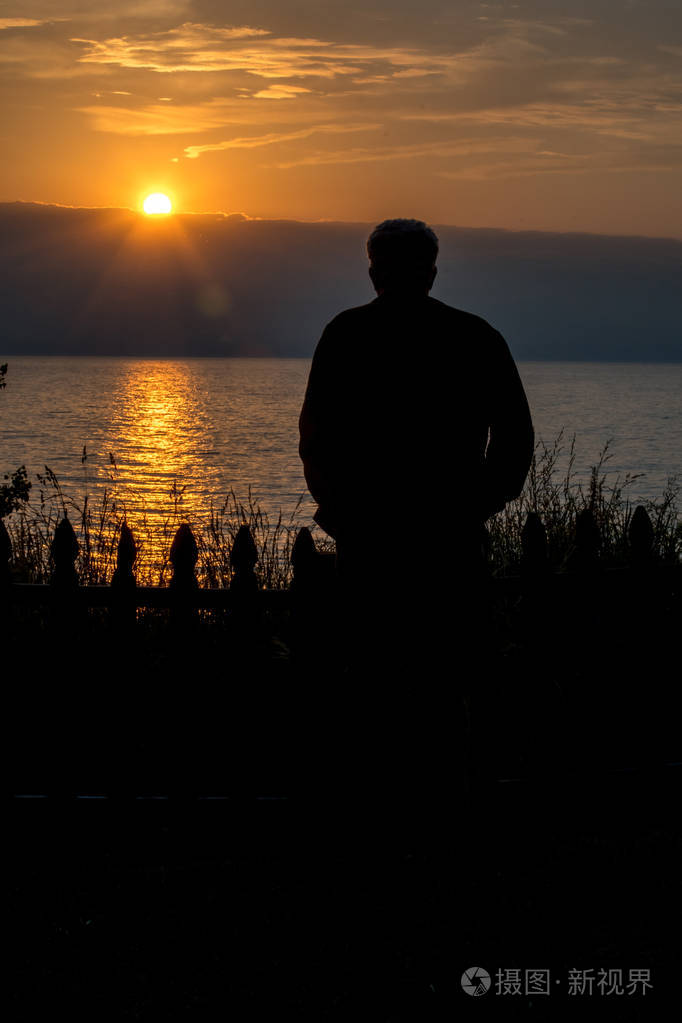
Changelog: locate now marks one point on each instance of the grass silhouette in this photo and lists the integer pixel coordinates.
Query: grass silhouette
(557, 497)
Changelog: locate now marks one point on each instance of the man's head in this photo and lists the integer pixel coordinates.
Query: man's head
(402, 256)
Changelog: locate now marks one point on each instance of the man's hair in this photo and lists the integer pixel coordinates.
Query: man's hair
(402, 251)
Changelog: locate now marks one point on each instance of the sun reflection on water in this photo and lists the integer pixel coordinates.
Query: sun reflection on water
(161, 433)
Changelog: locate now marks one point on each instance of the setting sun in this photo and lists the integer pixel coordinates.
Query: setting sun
(157, 202)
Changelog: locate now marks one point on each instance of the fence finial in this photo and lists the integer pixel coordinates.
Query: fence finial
(64, 551)
(641, 536)
(243, 558)
(184, 555)
(123, 582)
(303, 557)
(126, 555)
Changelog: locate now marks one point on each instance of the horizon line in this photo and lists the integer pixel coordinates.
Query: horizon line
(248, 218)
(183, 358)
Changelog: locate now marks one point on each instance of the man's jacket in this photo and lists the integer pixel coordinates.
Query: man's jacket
(414, 411)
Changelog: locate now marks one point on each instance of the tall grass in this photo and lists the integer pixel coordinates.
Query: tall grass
(558, 498)
(97, 524)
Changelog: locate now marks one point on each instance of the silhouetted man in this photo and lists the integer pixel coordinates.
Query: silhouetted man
(415, 429)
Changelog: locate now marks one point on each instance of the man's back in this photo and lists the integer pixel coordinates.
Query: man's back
(401, 397)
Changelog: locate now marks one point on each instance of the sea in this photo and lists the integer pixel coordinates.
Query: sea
(180, 436)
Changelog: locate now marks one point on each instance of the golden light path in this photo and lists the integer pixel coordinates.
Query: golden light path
(157, 203)
(161, 431)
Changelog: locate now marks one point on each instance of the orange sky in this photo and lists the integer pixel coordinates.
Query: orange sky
(548, 115)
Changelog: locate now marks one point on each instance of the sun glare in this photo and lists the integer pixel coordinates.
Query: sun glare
(156, 203)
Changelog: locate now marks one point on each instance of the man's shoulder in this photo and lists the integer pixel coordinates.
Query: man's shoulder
(352, 315)
(438, 319)
(459, 317)
(432, 306)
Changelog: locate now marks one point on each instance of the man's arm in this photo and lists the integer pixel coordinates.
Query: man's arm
(318, 426)
(511, 438)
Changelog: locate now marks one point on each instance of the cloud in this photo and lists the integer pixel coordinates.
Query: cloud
(168, 117)
(534, 168)
(150, 9)
(201, 48)
(280, 92)
(156, 119)
(460, 148)
(413, 72)
(531, 165)
(636, 116)
(534, 93)
(530, 115)
(189, 47)
(40, 53)
(6, 23)
(488, 158)
(272, 138)
(552, 296)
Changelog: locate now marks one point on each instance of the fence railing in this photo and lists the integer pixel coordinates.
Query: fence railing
(308, 565)
(641, 588)
(311, 569)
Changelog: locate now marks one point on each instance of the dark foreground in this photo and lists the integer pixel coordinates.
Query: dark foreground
(356, 856)
(315, 910)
